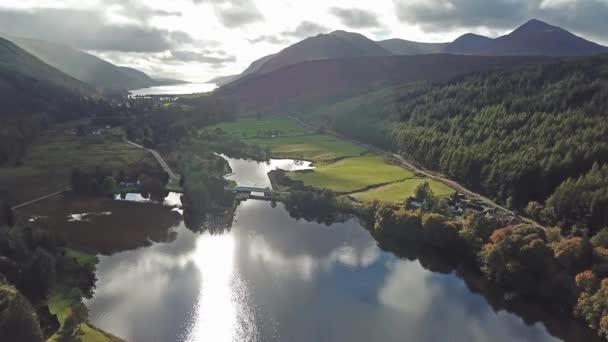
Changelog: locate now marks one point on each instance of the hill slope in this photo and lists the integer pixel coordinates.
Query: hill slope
(401, 47)
(85, 67)
(27, 84)
(532, 38)
(311, 82)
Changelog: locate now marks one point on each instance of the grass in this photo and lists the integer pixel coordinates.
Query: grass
(399, 191)
(49, 160)
(315, 147)
(59, 304)
(82, 257)
(352, 174)
(249, 128)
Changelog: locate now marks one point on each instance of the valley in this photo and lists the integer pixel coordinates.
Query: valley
(345, 186)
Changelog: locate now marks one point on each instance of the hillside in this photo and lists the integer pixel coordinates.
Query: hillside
(400, 47)
(532, 38)
(517, 135)
(310, 82)
(85, 67)
(27, 84)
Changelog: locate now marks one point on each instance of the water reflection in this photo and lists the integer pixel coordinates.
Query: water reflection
(252, 173)
(272, 278)
(175, 89)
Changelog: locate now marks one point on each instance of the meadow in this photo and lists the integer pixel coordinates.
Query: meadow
(352, 174)
(399, 191)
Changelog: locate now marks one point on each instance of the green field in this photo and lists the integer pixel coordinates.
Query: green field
(286, 138)
(352, 174)
(315, 147)
(50, 159)
(249, 128)
(399, 191)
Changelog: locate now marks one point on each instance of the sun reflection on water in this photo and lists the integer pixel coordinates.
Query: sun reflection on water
(221, 312)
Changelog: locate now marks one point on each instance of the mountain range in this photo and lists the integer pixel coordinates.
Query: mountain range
(534, 38)
(85, 67)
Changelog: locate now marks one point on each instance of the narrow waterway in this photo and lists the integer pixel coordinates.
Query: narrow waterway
(273, 278)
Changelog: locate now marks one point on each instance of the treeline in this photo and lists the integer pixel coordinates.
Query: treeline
(515, 135)
(33, 263)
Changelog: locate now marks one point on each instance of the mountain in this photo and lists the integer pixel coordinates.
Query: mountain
(402, 47)
(337, 44)
(223, 80)
(27, 84)
(532, 38)
(320, 80)
(85, 67)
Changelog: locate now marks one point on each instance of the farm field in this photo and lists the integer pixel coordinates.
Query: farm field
(399, 191)
(249, 128)
(320, 148)
(352, 174)
(46, 167)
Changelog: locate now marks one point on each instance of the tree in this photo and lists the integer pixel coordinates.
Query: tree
(109, 185)
(18, 320)
(8, 217)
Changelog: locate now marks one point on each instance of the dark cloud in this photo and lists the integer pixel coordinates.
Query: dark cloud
(586, 16)
(234, 13)
(306, 29)
(88, 30)
(355, 18)
(200, 57)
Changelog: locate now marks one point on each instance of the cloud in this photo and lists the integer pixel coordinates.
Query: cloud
(588, 16)
(131, 9)
(276, 40)
(234, 13)
(306, 29)
(355, 18)
(88, 30)
(218, 57)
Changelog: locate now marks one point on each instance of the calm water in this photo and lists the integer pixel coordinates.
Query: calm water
(255, 174)
(272, 278)
(177, 89)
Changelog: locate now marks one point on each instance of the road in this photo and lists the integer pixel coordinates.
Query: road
(159, 158)
(25, 204)
(458, 187)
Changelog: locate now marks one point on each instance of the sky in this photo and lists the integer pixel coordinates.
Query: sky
(197, 40)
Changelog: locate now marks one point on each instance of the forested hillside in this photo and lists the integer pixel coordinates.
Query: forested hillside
(314, 82)
(517, 135)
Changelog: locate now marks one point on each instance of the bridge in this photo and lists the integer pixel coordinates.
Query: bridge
(248, 190)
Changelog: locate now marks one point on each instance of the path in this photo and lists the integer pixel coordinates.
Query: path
(172, 176)
(455, 185)
(25, 204)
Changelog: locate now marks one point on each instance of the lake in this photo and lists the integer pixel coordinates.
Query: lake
(274, 278)
(176, 89)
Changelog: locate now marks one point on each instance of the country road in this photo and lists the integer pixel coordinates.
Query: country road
(159, 158)
(458, 187)
(39, 199)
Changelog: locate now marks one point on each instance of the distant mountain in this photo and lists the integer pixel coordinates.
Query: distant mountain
(532, 38)
(223, 80)
(337, 44)
(85, 67)
(402, 47)
(27, 84)
(315, 81)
